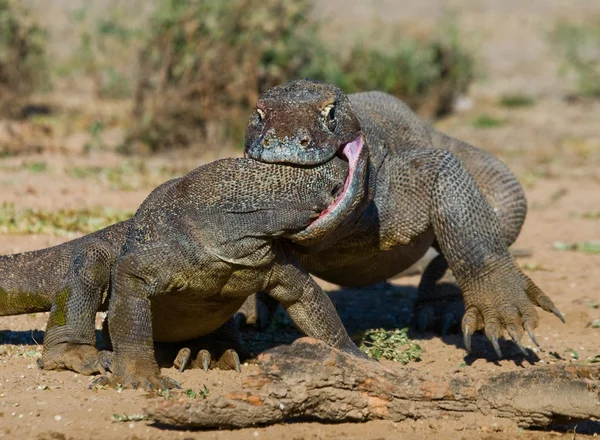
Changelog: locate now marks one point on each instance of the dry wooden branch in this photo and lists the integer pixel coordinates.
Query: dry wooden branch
(309, 380)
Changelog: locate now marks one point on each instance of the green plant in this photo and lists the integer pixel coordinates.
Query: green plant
(486, 121)
(393, 345)
(516, 100)
(23, 62)
(579, 47)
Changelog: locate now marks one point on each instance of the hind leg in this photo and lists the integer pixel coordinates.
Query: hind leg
(70, 340)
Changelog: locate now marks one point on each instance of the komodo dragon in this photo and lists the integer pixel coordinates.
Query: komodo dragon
(425, 189)
(195, 249)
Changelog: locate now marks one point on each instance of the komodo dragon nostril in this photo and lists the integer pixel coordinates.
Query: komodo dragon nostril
(304, 142)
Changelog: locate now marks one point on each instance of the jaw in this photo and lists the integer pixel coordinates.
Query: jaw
(286, 151)
(348, 204)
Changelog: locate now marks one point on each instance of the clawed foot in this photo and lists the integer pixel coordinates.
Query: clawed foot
(81, 358)
(504, 300)
(229, 360)
(146, 382)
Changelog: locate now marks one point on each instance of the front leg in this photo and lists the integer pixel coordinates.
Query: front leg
(309, 306)
(130, 324)
(497, 294)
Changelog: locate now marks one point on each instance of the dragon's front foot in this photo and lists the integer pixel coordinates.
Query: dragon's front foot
(229, 360)
(81, 358)
(504, 299)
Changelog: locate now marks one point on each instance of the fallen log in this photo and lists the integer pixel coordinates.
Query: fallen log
(310, 381)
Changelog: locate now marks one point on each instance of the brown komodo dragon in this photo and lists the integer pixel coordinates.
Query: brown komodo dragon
(424, 189)
(196, 248)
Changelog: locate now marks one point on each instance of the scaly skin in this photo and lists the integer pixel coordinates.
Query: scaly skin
(200, 245)
(71, 282)
(421, 194)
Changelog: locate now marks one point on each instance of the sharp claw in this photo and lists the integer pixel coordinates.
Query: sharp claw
(467, 337)
(236, 362)
(40, 363)
(531, 335)
(494, 340)
(447, 323)
(204, 359)
(170, 383)
(230, 361)
(182, 359)
(185, 359)
(99, 381)
(554, 310)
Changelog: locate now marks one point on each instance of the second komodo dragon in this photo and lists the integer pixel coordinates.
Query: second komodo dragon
(196, 248)
(424, 189)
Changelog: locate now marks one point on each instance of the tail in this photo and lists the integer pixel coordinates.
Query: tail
(495, 180)
(30, 281)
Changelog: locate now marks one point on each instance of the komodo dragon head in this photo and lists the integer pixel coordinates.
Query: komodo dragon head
(282, 129)
(303, 122)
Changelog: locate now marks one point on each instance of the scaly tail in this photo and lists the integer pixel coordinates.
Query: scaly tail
(30, 281)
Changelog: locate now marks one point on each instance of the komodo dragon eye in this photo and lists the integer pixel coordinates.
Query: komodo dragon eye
(328, 113)
(260, 116)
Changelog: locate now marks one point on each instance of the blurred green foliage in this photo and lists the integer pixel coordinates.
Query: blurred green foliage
(513, 100)
(579, 47)
(23, 63)
(63, 222)
(486, 121)
(204, 64)
(103, 50)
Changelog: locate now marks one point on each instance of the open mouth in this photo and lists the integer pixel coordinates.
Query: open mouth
(351, 153)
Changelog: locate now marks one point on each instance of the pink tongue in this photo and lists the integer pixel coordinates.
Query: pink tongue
(351, 151)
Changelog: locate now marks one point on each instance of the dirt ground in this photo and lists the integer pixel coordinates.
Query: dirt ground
(553, 146)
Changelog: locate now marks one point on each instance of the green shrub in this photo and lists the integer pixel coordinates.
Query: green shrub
(428, 74)
(23, 66)
(579, 47)
(393, 345)
(204, 64)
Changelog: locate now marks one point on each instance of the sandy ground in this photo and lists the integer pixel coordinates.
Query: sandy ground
(553, 146)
